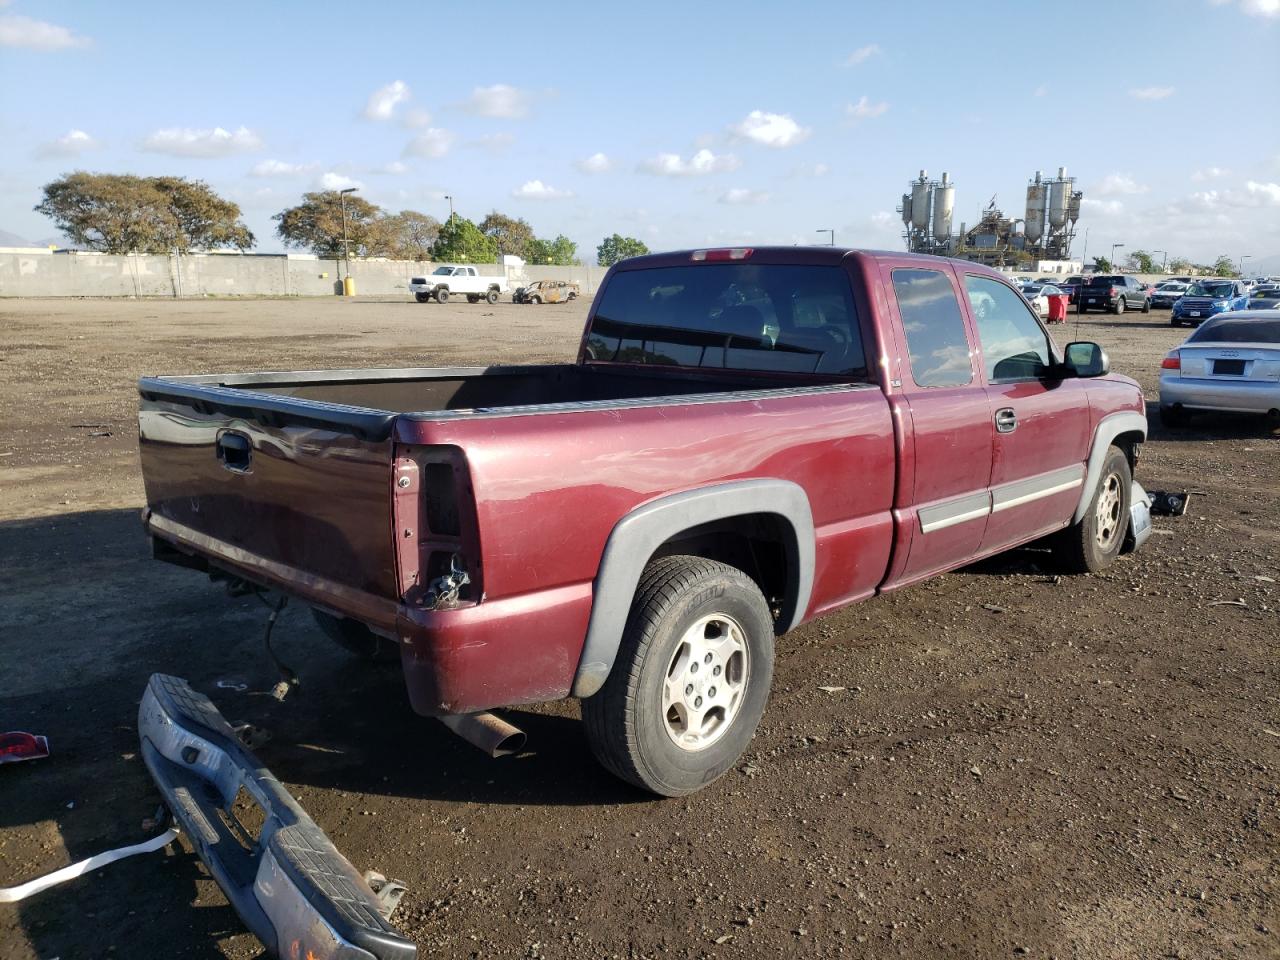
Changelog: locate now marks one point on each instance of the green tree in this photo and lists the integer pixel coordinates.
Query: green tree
(460, 241)
(121, 213)
(1180, 265)
(316, 224)
(1142, 261)
(615, 248)
(511, 235)
(560, 252)
(1224, 266)
(410, 235)
(1102, 265)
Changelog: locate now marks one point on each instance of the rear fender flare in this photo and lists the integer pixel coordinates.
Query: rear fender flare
(1110, 427)
(637, 536)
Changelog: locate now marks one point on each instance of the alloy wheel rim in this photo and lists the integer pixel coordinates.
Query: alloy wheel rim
(1108, 511)
(706, 682)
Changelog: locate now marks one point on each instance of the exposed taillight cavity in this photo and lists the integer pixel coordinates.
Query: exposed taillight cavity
(721, 254)
(1113, 292)
(435, 527)
(1172, 362)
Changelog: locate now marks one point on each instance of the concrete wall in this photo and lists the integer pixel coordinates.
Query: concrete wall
(69, 275)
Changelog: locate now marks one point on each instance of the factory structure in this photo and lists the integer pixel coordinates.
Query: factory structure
(1039, 241)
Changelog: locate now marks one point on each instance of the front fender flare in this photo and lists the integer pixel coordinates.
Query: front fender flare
(1109, 427)
(637, 536)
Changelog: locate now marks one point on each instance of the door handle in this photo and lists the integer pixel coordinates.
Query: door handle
(235, 451)
(1006, 420)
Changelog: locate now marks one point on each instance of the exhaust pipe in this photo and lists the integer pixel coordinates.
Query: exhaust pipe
(487, 732)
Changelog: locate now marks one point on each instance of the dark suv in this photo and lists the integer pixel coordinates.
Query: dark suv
(1116, 293)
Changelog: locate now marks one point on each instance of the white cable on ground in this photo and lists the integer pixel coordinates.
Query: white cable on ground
(24, 890)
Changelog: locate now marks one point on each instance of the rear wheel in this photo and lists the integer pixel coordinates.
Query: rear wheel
(1146, 306)
(1094, 543)
(1082, 309)
(473, 298)
(491, 297)
(1119, 307)
(422, 297)
(690, 681)
(535, 299)
(442, 296)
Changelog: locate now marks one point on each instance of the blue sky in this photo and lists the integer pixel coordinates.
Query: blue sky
(682, 124)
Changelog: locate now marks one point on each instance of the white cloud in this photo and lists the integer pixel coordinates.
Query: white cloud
(537, 190)
(279, 168)
(862, 55)
(742, 196)
(416, 118)
(186, 142)
(770, 129)
(1209, 173)
(596, 163)
(19, 31)
(1041, 91)
(493, 141)
(811, 170)
(883, 218)
(701, 163)
(395, 168)
(73, 143)
(1269, 193)
(1151, 93)
(1107, 207)
(500, 100)
(1119, 184)
(432, 142)
(864, 109)
(1254, 8)
(383, 101)
(336, 181)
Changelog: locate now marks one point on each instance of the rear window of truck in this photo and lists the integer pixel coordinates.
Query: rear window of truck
(737, 316)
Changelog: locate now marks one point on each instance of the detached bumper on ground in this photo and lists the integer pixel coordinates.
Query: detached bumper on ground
(291, 886)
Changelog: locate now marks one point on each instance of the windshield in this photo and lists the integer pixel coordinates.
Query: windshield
(1210, 290)
(441, 271)
(1237, 331)
(1105, 281)
(1172, 287)
(737, 316)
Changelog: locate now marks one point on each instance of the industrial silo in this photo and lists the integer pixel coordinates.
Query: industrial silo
(944, 202)
(1058, 192)
(920, 203)
(1034, 222)
(906, 208)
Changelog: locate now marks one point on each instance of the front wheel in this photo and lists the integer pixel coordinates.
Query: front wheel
(422, 297)
(1093, 544)
(491, 297)
(442, 296)
(691, 678)
(535, 299)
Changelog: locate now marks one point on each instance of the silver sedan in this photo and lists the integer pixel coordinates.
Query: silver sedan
(1231, 363)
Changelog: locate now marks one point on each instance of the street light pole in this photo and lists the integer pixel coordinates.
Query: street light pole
(830, 231)
(1165, 261)
(1113, 254)
(1243, 258)
(346, 244)
(450, 199)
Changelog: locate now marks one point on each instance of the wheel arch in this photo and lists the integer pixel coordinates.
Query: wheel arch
(719, 514)
(1126, 430)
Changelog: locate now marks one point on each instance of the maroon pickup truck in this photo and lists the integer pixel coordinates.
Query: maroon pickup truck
(750, 438)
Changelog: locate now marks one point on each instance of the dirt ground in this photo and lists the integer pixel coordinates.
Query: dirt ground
(1016, 764)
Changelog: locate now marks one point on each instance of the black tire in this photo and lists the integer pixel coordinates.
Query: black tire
(1175, 322)
(1082, 309)
(1146, 305)
(1174, 417)
(473, 298)
(442, 296)
(422, 297)
(491, 297)
(1119, 307)
(356, 638)
(626, 725)
(535, 299)
(1081, 547)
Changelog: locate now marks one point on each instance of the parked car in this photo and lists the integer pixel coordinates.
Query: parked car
(1265, 296)
(1072, 287)
(1114, 292)
(1167, 293)
(1038, 295)
(1187, 280)
(546, 291)
(1206, 298)
(449, 281)
(1230, 363)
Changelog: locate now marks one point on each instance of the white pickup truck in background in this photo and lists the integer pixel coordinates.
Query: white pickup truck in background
(448, 281)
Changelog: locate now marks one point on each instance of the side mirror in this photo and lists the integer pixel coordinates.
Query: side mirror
(1086, 359)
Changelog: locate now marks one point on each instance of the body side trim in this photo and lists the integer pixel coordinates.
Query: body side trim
(637, 535)
(971, 506)
(1018, 492)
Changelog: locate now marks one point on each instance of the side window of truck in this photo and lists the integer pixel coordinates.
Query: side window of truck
(935, 331)
(1014, 346)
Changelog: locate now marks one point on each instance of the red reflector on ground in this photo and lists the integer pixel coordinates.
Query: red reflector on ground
(725, 253)
(22, 746)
